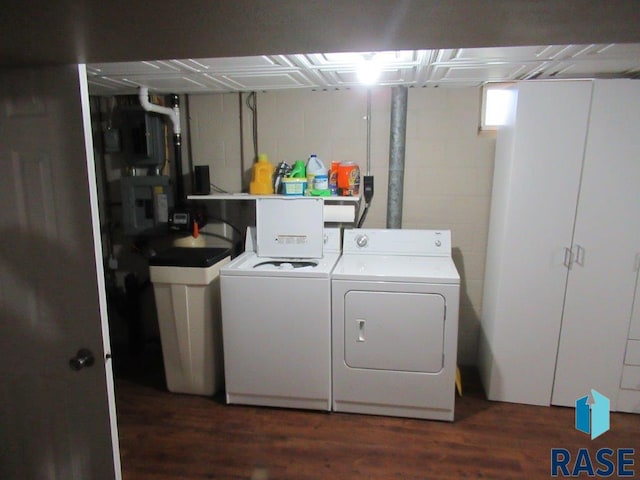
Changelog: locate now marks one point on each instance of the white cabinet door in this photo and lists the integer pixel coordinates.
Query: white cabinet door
(535, 191)
(629, 394)
(634, 328)
(601, 284)
(55, 423)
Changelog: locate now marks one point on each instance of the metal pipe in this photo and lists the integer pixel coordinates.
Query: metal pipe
(368, 131)
(244, 184)
(189, 144)
(397, 141)
(177, 150)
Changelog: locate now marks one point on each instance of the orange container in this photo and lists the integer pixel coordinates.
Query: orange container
(349, 179)
(333, 178)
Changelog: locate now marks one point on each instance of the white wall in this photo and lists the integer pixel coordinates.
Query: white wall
(448, 166)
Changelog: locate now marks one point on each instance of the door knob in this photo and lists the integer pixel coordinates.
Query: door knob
(84, 358)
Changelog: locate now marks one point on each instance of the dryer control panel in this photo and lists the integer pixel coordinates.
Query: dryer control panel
(397, 242)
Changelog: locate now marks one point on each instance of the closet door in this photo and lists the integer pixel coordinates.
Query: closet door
(535, 191)
(600, 288)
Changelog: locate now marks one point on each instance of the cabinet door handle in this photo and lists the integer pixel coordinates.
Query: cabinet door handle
(579, 255)
(568, 258)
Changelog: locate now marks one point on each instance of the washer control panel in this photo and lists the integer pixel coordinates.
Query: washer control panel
(362, 240)
(397, 242)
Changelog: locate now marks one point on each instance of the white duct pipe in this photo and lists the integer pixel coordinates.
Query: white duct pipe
(172, 113)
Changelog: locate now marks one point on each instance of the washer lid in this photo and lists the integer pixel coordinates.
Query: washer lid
(290, 227)
(397, 268)
(249, 264)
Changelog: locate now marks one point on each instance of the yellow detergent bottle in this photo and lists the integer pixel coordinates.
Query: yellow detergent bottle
(262, 177)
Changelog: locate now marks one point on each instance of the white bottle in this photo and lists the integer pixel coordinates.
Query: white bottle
(317, 175)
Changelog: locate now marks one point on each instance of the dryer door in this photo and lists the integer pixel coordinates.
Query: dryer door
(396, 331)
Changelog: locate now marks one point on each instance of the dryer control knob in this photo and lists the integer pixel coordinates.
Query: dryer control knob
(362, 240)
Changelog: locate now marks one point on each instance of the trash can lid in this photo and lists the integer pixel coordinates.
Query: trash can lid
(189, 257)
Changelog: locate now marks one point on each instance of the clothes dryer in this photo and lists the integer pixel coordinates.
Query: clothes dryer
(395, 302)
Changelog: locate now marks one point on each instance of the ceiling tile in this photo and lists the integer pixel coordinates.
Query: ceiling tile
(479, 73)
(268, 81)
(446, 67)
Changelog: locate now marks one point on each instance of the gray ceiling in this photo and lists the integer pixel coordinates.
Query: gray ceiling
(461, 67)
(272, 44)
(95, 31)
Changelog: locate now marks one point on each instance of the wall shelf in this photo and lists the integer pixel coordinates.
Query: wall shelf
(246, 196)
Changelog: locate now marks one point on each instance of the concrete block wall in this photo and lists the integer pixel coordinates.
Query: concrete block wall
(448, 165)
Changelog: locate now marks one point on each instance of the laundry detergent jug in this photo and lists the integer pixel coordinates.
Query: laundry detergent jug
(317, 175)
(298, 170)
(262, 177)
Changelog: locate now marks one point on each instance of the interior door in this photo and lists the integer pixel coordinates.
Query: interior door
(55, 422)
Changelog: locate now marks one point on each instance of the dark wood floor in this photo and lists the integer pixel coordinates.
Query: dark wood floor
(165, 436)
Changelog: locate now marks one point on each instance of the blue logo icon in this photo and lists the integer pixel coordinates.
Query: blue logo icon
(592, 418)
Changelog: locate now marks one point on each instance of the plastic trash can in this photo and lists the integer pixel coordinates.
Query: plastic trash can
(186, 285)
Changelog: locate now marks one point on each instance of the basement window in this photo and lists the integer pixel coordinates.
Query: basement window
(496, 100)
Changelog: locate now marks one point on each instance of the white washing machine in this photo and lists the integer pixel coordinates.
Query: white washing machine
(395, 301)
(276, 309)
